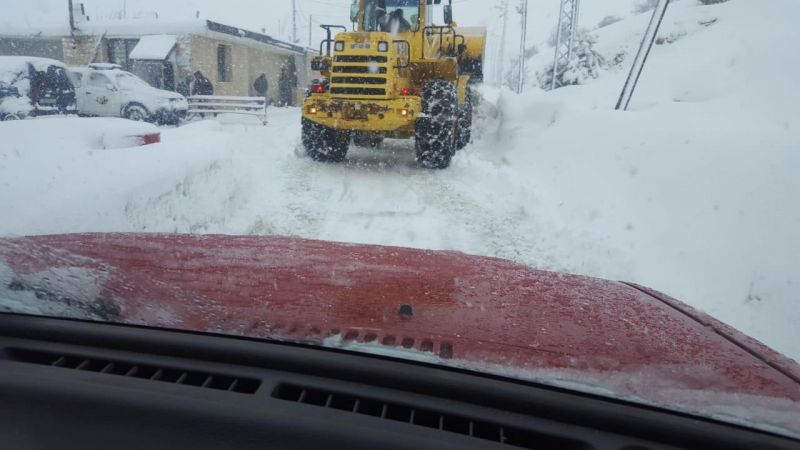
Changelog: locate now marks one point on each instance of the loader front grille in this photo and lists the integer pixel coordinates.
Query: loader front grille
(361, 76)
(358, 80)
(359, 69)
(361, 59)
(357, 91)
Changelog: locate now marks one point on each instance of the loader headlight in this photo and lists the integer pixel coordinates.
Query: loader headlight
(383, 46)
(339, 46)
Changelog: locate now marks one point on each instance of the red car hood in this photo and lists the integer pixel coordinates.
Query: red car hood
(482, 314)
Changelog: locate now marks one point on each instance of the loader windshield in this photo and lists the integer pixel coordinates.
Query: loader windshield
(391, 16)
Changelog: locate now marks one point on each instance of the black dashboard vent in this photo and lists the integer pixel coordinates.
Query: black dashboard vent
(140, 371)
(426, 418)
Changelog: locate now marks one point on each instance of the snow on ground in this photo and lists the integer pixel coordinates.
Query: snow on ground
(693, 192)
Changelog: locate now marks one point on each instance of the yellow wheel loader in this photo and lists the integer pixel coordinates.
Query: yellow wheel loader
(405, 72)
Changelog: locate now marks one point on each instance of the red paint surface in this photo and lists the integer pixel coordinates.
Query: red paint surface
(154, 138)
(484, 313)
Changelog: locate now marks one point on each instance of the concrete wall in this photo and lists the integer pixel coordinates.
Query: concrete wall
(82, 50)
(30, 46)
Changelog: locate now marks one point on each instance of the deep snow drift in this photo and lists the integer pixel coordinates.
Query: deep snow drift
(693, 192)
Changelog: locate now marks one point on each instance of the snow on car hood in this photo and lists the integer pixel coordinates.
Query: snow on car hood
(450, 309)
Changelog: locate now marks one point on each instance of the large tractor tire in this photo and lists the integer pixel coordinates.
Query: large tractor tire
(324, 144)
(464, 128)
(435, 133)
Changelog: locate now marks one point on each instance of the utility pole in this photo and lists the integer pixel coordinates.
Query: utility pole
(71, 18)
(523, 45)
(294, 21)
(501, 70)
(565, 36)
(310, 21)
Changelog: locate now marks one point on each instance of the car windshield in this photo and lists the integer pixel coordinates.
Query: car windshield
(391, 15)
(129, 82)
(595, 196)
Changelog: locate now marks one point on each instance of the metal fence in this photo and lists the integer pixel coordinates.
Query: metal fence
(212, 105)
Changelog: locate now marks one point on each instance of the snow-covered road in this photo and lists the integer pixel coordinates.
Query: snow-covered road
(264, 184)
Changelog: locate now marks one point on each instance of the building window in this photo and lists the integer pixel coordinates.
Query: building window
(224, 65)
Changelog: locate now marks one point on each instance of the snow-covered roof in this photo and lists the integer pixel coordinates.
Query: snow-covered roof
(104, 66)
(156, 47)
(126, 27)
(144, 27)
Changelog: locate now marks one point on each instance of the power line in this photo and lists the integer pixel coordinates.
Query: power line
(641, 57)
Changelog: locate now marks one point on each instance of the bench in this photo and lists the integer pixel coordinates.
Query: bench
(200, 105)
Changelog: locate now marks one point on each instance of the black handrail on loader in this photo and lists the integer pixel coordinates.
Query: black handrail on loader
(454, 50)
(329, 39)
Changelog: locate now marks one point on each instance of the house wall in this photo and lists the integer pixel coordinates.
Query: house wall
(32, 46)
(248, 61)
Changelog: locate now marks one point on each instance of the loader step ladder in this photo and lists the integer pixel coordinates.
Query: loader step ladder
(213, 105)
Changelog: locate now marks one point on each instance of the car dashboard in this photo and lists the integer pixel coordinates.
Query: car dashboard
(79, 385)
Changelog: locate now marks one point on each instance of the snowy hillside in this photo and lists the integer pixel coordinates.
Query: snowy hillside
(693, 192)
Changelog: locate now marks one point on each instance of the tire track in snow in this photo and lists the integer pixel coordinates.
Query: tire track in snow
(499, 233)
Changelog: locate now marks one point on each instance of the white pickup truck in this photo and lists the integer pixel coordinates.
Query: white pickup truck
(105, 90)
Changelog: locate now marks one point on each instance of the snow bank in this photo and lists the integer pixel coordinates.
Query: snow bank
(56, 175)
(72, 133)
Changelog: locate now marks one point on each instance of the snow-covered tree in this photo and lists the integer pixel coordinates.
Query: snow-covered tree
(511, 77)
(585, 65)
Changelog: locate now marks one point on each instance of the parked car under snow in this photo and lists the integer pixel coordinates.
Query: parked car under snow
(106, 91)
(32, 87)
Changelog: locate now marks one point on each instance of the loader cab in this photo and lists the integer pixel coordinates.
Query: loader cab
(439, 13)
(400, 16)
